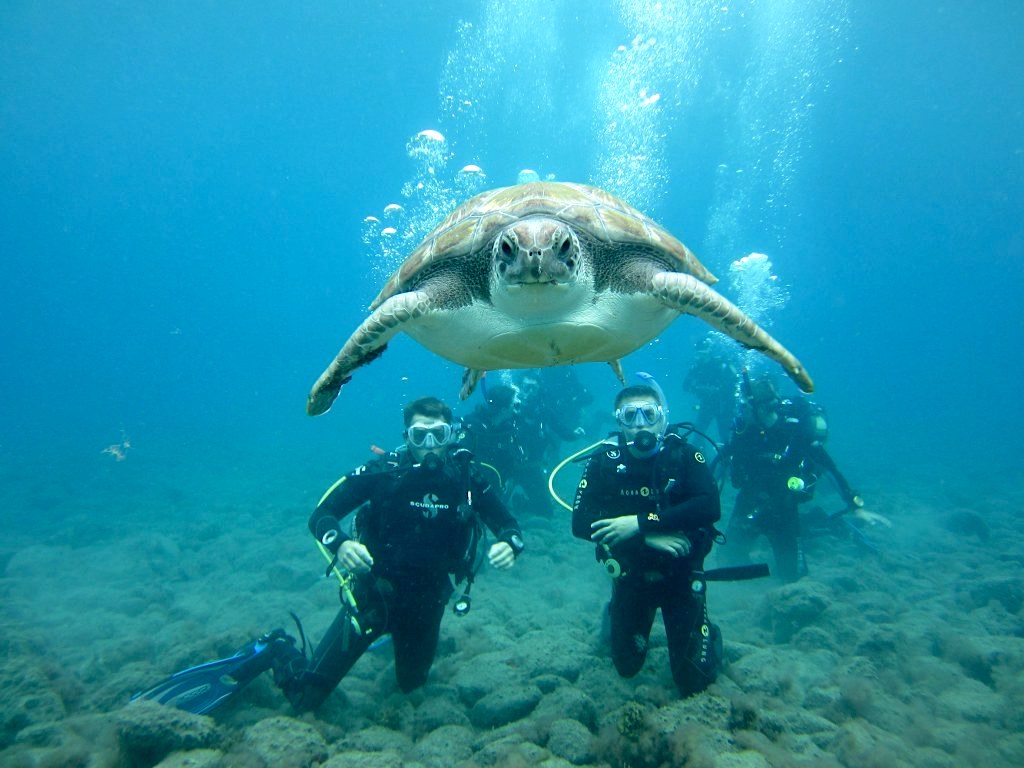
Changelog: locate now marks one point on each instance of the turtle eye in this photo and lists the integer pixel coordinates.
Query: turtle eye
(506, 249)
(503, 254)
(565, 253)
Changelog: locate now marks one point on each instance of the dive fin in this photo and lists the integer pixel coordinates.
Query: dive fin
(201, 689)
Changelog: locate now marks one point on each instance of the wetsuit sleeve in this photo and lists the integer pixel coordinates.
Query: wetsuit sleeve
(821, 457)
(693, 501)
(592, 499)
(493, 511)
(347, 495)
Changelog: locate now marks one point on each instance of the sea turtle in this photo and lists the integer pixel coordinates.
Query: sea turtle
(540, 274)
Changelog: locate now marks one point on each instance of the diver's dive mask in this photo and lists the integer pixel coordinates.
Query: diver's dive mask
(639, 415)
(429, 436)
(633, 418)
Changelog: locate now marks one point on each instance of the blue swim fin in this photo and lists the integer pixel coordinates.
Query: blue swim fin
(203, 688)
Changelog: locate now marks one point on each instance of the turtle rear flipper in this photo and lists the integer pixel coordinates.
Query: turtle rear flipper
(470, 378)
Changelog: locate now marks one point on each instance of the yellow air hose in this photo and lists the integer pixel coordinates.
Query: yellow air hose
(332, 560)
(560, 466)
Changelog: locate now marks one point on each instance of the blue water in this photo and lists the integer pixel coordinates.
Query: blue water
(184, 185)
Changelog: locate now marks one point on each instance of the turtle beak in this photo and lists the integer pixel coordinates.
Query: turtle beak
(536, 252)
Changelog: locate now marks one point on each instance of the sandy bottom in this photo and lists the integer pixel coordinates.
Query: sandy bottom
(911, 655)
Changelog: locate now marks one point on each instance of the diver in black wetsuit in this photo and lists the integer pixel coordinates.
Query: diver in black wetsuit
(501, 435)
(555, 405)
(776, 454)
(650, 503)
(419, 513)
(414, 525)
(712, 380)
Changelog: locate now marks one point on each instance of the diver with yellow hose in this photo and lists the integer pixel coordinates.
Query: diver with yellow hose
(419, 513)
(649, 503)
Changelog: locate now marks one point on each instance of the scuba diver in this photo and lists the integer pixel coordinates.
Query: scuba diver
(776, 454)
(712, 380)
(649, 502)
(500, 434)
(418, 517)
(555, 407)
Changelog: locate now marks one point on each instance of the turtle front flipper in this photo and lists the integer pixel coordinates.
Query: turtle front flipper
(365, 345)
(689, 295)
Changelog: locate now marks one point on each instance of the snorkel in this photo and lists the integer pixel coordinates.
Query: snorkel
(651, 382)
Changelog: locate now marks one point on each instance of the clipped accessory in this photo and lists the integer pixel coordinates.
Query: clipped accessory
(612, 567)
(462, 605)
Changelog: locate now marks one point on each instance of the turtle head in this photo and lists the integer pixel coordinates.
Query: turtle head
(536, 251)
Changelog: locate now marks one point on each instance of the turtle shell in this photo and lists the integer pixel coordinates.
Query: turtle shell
(472, 227)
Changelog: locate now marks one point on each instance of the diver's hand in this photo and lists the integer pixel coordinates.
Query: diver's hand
(614, 530)
(354, 557)
(501, 555)
(675, 544)
(872, 518)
